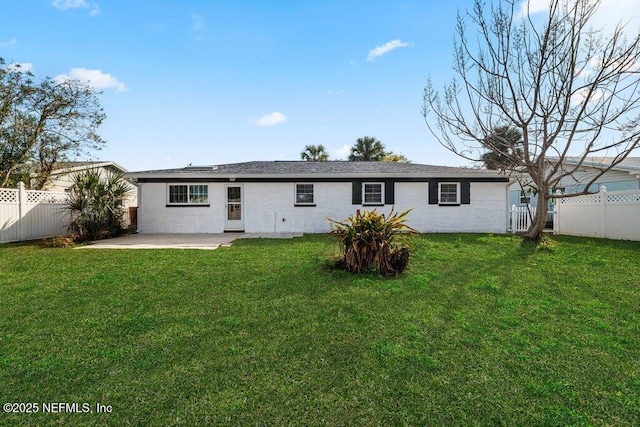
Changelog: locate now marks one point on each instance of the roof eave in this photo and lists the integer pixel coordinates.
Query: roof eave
(64, 171)
(591, 164)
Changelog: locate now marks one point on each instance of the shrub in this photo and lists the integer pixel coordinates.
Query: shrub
(369, 242)
(96, 204)
(61, 241)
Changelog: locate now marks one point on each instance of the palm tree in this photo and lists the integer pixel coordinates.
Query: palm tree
(314, 153)
(503, 148)
(96, 204)
(367, 148)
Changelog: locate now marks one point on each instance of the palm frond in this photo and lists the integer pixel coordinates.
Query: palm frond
(368, 241)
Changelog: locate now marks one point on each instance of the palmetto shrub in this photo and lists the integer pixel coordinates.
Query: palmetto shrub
(369, 242)
(96, 204)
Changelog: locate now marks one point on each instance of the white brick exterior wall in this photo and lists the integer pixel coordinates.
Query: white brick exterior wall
(155, 217)
(269, 207)
(485, 214)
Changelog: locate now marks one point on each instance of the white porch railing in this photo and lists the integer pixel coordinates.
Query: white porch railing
(521, 218)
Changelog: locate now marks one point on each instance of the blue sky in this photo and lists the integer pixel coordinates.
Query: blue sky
(212, 82)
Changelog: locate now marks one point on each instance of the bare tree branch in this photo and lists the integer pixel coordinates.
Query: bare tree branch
(571, 91)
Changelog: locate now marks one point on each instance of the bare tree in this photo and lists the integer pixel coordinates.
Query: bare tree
(569, 89)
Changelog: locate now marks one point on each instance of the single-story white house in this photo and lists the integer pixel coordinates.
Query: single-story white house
(298, 196)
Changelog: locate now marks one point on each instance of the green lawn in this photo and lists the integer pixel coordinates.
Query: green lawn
(479, 330)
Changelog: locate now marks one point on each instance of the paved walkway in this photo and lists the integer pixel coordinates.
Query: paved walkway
(181, 241)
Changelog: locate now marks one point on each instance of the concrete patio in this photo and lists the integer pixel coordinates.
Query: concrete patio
(207, 241)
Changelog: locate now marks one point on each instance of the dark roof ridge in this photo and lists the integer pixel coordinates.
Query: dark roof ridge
(337, 167)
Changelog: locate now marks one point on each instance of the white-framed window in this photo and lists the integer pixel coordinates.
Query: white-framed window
(449, 193)
(188, 194)
(372, 193)
(525, 198)
(305, 194)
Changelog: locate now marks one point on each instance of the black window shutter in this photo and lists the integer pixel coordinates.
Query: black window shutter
(356, 193)
(433, 192)
(389, 193)
(465, 193)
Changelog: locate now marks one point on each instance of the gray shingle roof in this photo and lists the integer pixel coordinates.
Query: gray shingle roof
(68, 167)
(299, 168)
(65, 165)
(630, 163)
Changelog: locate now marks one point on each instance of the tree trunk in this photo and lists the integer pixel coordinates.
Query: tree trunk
(5, 179)
(539, 222)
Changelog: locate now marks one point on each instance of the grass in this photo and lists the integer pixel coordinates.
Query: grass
(479, 330)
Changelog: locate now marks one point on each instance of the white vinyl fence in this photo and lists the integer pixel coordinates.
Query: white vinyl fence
(521, 217)
(608, 214)
(30, 214)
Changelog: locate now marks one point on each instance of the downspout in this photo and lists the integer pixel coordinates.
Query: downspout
(139, 209)
(507, 210)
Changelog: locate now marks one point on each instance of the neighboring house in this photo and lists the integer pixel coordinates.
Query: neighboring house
(623, 176)
(298, 196)
(61, 178)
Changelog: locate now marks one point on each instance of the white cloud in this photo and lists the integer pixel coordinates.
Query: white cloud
(628, 67)
(595, 64)
(585, 73)
(76, 4)
(580, 97)
(69, 4)
(271, 119)
(9, 43)
(94, 78)
(197, 22)
(533, 6)
(343, 153)
(23, 67)
(335, 92)
(385, 48)
(608, 14)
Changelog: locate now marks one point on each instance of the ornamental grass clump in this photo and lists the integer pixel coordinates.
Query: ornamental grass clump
(369, 242)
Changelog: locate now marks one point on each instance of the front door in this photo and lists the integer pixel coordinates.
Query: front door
(234, 219)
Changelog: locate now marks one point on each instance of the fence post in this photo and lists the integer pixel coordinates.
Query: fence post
(22, 208)
(556, 214)
(514, 219)
(603, 211)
